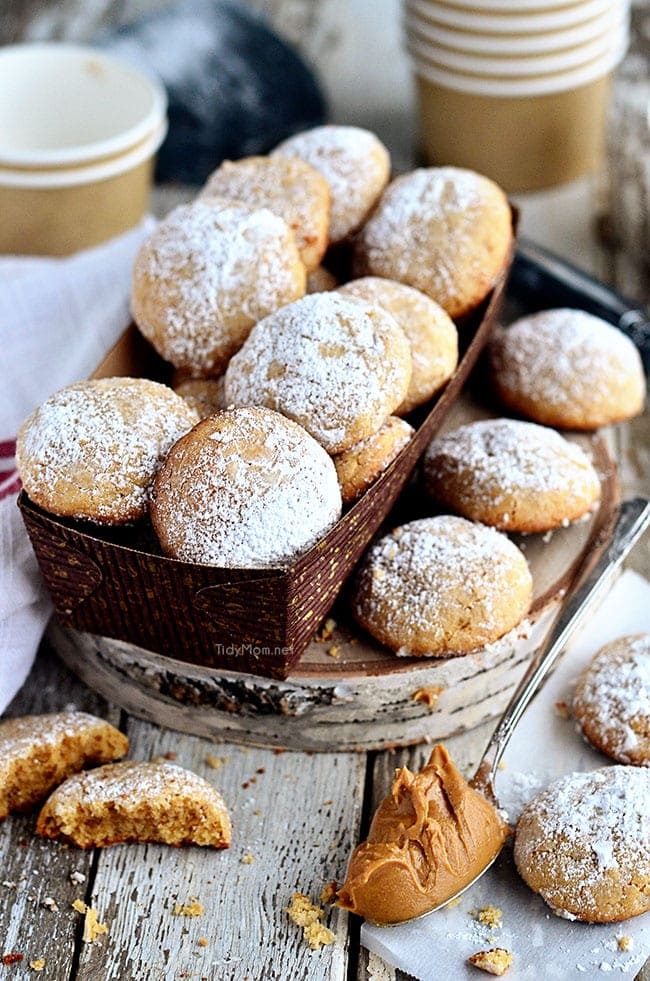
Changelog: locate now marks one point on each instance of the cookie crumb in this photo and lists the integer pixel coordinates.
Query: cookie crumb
(38, 964)
(308, 916)
(334, 651)
(194, 908)
(326, 632)
(328, 895)
(562, 710)
(214, 762)
(247, 859)
(429, 694)
(93, 929)
(453, 902)
(494, 961)
(625, 943)
(202, 941)
(502, 765)
(490, 916)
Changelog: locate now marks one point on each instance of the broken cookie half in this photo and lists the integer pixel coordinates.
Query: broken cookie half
(133, 801)
(38, 752)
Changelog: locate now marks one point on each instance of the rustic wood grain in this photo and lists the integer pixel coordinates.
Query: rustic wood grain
(297, 819)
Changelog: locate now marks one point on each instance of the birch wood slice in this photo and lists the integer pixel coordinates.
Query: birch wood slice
(349, 692)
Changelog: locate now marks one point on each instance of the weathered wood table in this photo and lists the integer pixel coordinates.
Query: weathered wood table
(296, 817)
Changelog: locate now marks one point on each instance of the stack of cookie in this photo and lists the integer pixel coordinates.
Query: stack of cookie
(301, 386)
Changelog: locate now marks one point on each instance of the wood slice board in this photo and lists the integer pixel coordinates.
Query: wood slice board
(349, 692)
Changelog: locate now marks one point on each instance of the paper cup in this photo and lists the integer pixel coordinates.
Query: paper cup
(511, 23)
(514, 45)
(79, 131)
(525, 133)
(520, 67)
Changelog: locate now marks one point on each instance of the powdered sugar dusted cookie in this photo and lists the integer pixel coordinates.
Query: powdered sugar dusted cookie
(337, 366)
(206, 274)
(444, 230)
(567, 368)
(136, 802)
(355, 164)
(430, 331)
(441, 586)
(288, 187)
(513, 475)
(92, 449)
(247, 488)
(360, 465)
(37, 752)
(584, 844)
(612, 700)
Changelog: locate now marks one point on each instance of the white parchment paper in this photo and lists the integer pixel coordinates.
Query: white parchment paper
(544, 746)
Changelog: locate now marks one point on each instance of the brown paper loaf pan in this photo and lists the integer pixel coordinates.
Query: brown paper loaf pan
(116, 584)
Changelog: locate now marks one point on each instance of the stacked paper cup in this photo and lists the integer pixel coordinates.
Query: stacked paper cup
(516, 89)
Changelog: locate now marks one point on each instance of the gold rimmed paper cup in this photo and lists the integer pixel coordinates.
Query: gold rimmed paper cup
(525, 133)
(519, 20)
(79, 131)
(438, 36)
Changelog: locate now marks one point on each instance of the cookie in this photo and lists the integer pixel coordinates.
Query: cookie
(206, 274)
(443, 230)
(205, 395)
(247, 488)
(136, 802)
(611, 701)
(288, 187)
(359, 466)
(321, 280)
(38, 752)
(337, 366)
(583, 844)
(441, 586)
(430, 331)
(512, 475)
(355, 164)
(92, 449)
(567, 368)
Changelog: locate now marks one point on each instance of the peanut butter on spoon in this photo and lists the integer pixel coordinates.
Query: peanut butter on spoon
(429, 838)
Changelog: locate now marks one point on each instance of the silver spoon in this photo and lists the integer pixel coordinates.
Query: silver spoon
(589, 585)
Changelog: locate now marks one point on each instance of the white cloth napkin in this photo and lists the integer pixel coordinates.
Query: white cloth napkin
(58, 317)
(543, 747)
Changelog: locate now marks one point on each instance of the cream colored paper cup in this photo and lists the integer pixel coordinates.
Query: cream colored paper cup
(538, 21)
(514, 45)
(500, 66)
(79, 131)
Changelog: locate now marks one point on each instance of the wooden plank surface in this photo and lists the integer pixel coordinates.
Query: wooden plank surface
(296, 815)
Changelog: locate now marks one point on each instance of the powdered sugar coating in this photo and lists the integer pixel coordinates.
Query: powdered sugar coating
(206, 274)
(92, 449)
(612, 700)
(567, 368)
(444, 230)
(355, 164)
(510, 474)
(430, 331)
(442, 586)
(247, 488)
(288, 187)
(584, 844)
(337, 366)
